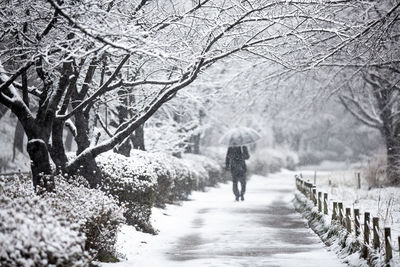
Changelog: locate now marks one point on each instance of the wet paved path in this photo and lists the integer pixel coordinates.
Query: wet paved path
(264, 230)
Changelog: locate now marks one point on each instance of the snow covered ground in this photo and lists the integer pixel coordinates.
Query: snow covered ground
(213, 230)
(383, 203)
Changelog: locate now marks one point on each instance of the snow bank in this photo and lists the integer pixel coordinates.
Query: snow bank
(69, 227)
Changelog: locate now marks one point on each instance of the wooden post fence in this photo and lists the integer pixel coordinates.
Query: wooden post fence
(375, 230)
(348, 220)
(366, 234)
(314, 191)
(319, 202)
(310, 191)
(334, 215)
(357, 222)
(340, 205)
(388, 247)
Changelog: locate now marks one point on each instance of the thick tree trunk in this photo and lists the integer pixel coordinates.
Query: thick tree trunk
(40, 165)
(124, 148)
(68, 141)
(138, 138)
(57, 150)
(82, 131)
(18, 139)
(87, 167)
(3, 110)
(393, 160)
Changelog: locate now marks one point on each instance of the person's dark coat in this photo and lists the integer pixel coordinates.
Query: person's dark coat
(235, 160)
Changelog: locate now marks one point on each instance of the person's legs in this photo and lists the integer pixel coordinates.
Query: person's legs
(242, 180)
(235, 186)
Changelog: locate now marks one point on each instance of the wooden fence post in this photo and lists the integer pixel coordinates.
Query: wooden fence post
(319, 202)
(314, 191)
(340, 205)
(326, 203)
(375, 226)
(357, 222)
(348, 220)
(334, 215)
(315, 177)
(366, 234)
(301, 186)
(398, 240)
(358, 180)
(388, 247)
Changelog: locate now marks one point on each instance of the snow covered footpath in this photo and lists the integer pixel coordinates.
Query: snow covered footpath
(213, 230)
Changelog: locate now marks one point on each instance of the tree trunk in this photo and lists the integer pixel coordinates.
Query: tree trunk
(82, 131)
(3, 110)
(18, 140)
(68, 141)
(57, 151)
(138, 138)
(124, 148)
(393, 160)
(87, 167)
(40, 165)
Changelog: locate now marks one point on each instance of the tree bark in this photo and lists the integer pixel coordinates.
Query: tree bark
(18, 140)
(40, 165)
(138, 138)
(86, 166)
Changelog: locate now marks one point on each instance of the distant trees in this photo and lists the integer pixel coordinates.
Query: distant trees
(62, 61)
(371, 91)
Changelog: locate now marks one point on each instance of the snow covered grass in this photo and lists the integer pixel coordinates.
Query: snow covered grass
(383, 203)
(68, 227)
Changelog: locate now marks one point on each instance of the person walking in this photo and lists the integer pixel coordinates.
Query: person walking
(235, 162)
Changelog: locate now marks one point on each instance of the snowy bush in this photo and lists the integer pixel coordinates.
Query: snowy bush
(145, 179)
(270, 160)
(375, 171)
(315, 157)
(33, 235)
(132, 180)
(175, 180)
(216, 153)
(207, 169)
(68, 227)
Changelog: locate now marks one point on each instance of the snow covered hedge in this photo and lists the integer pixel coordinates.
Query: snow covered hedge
(69, 227)
(133, 182)
(270, 160)
(147, 179)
